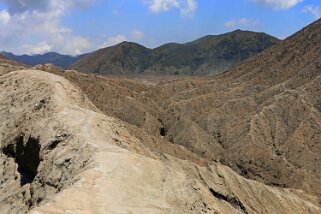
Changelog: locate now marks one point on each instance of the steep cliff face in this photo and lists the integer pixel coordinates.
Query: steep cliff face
(59, 154)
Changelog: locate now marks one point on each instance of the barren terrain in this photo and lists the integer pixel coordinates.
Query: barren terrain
(61, 154)
(245, 141)
(262, 118)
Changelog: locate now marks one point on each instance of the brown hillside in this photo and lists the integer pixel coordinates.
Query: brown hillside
(262, 118)
(4, 60)
(60, 154)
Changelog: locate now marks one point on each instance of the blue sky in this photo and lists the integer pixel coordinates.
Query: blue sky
(79, 26)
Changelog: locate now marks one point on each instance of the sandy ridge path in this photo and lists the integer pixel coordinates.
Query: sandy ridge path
(119, 180)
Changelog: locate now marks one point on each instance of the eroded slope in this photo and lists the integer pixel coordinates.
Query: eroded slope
(262, 118)
(87, 162)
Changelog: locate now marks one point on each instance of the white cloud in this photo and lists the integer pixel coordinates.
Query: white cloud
(137, 35)
(20, 6)
(73, 45)
(187, 7)
(313, 10)
(39, 48)
(4, 17)
(114, 40)
(25, 20)
(278, 4)
(243, 22)
(162, 5)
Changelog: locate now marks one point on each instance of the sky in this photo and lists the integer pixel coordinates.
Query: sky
(79, 26)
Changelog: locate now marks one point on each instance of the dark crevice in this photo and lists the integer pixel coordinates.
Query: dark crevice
(234, 201)
(163, 131)
(26, 156)
(56, 141)
(9, 151)
(243, 171)
(53, 144)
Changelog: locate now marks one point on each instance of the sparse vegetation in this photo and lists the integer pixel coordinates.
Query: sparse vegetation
(205, 56)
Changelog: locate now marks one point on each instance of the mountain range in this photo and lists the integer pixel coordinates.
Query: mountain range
(204, 56)
(52, 57)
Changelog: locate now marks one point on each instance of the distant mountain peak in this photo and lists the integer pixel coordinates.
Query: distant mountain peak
(49, 57)
(207, 55)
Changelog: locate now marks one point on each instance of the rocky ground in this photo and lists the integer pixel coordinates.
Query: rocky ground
(262, 118)
(61, 154)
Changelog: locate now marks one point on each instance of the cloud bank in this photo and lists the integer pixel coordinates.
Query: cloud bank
(26, 20)
(187, 8)
(278, 4)
(242, 22)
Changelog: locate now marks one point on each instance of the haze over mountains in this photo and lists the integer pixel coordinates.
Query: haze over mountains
(207, 55)
(52, 57)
